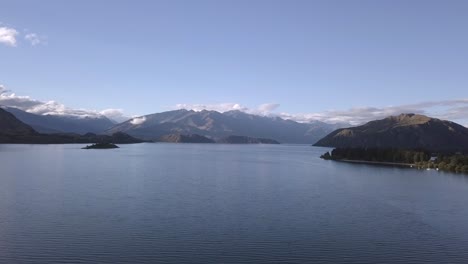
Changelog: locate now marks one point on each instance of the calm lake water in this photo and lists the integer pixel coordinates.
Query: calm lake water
(203, 203)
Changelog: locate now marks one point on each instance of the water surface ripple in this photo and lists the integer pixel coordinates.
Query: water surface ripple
(195, 203)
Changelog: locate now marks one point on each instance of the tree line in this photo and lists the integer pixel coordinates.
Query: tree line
(378, 155)
(454, 163)
(419, 158)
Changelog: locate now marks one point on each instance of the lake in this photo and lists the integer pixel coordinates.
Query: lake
(210, 203)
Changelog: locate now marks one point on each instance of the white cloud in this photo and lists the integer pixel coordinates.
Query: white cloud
(138, 120)
(223, 107)
(34, 106)
(267, 108)
(263, 109)
(8, 36)
(114, 114)
(34, 39)
(455, 110)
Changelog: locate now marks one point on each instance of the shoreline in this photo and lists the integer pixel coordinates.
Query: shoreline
(408, 165)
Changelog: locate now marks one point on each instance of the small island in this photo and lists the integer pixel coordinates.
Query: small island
(101, 146)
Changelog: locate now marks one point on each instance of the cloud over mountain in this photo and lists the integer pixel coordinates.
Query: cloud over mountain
(263, 109)
(34, 106)
(138, 120)
(267, 108)
(222, 107)
(456, 110)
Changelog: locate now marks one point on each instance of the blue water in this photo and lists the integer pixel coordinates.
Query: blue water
(206, 203)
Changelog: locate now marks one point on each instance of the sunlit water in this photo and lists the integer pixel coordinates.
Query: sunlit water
(204, 203)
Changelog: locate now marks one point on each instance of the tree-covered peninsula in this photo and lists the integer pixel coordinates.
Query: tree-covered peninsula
(378, 155)
(455, 162)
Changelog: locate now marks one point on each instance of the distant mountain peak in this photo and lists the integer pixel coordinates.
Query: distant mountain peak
(408, 131)
(62, 123)
(407, 114)
(411, 118)
(10, 125)
(234, 112)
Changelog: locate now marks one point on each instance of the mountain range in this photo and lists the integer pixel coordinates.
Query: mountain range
(10, 125)
(12, 130)
(62, 124)
(405, 131)
(216, 125)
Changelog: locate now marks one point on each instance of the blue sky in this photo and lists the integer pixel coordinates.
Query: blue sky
(297, 58)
